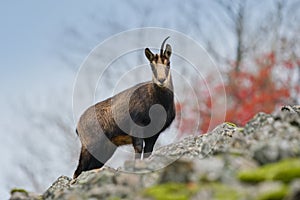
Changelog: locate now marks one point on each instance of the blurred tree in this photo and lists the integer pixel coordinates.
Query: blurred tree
(264, 72)
(235, 11)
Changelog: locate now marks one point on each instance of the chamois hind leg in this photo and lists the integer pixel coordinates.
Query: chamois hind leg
(84, 162)
(87, 161)
(149, 144)
(103, 154)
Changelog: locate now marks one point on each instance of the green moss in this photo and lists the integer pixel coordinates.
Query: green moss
(234, 125)
(224, 192)
(18, 190)
(285, 170)
(178, 191)
(231, 124)
(276, 194)
(114, 198)
(171, 191)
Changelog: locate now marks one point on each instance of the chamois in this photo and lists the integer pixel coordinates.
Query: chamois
(108, 124)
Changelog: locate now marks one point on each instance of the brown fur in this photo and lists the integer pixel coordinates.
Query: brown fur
(122, 140)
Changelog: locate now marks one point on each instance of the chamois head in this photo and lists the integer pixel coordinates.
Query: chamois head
(160, 65)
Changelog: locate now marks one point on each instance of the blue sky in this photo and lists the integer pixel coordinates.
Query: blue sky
(30, 34)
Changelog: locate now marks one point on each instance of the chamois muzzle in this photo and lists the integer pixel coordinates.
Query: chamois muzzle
(161, 75)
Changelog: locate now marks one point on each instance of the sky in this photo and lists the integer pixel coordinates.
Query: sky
(30, 34)
(33, 35)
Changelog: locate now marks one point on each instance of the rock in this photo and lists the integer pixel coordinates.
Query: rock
(57, 187)
(294, 193)
(274, 137)
(180, 171)
(291, 109)
(258, 161)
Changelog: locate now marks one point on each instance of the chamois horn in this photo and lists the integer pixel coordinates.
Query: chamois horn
(162, 46)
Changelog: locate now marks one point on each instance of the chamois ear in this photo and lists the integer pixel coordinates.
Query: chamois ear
(149, 54)
(168, 51)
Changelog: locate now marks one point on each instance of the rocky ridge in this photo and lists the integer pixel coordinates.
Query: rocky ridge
(258, 161)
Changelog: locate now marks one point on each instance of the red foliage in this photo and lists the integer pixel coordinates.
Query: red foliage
(247, 92)
(252, 93)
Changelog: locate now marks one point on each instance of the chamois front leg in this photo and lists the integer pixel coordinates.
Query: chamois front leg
(138, 144)
(149, 144)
